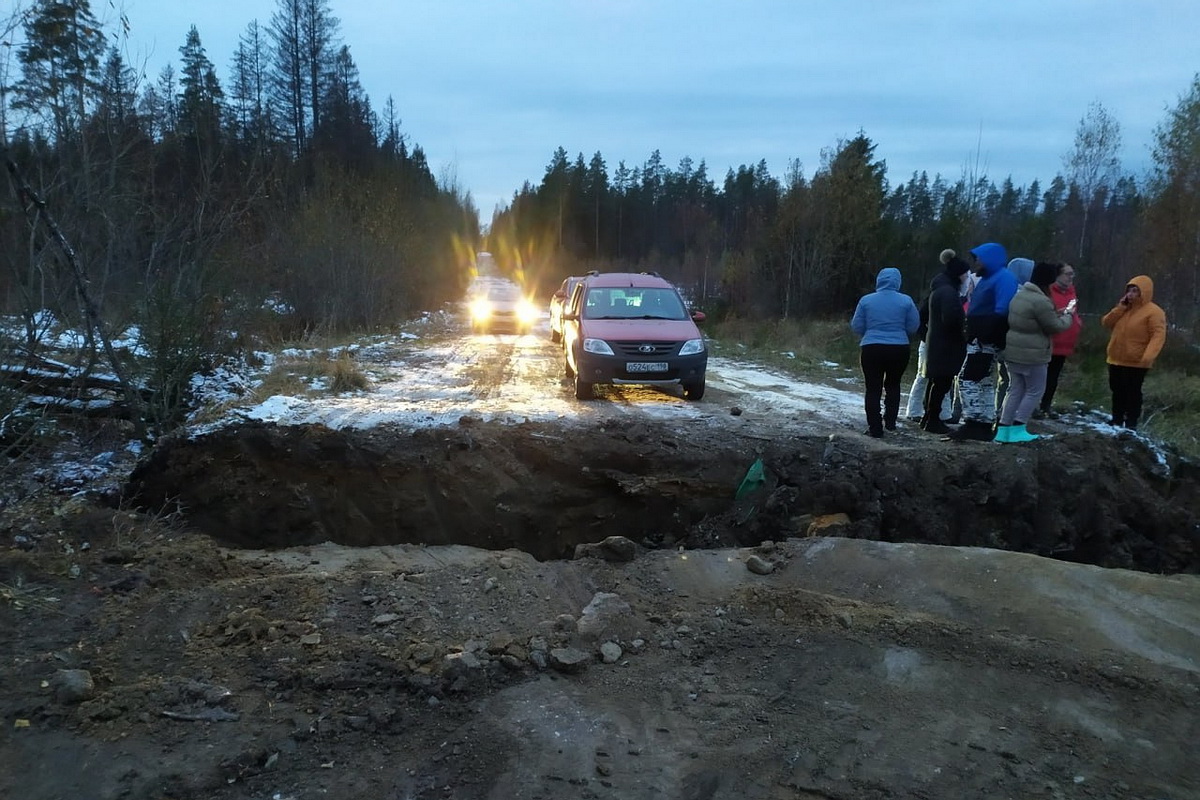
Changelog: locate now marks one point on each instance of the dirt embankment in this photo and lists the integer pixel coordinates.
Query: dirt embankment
(542, 488)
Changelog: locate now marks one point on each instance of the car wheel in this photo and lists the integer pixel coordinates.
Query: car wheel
(583, 389)
(555, 336)
(694, 391)
(570, 373)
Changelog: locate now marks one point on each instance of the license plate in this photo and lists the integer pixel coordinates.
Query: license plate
(647, 366)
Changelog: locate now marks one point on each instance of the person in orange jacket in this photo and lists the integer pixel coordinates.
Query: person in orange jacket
(1139, 331)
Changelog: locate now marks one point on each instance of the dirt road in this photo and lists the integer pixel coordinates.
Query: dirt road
(401, 595)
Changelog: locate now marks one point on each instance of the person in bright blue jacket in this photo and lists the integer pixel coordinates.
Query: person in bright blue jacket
(987, 323)
(884, 319)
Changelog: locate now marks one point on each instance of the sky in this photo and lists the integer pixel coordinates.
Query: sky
(490, 89)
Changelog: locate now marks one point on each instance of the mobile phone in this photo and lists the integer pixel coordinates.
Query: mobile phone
(1071, 304)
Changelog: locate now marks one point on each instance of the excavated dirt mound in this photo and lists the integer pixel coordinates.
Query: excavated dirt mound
(546, 488)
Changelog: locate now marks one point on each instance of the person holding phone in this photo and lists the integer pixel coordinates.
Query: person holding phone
(1139, 331)
(1032, 320)
(1062, 345)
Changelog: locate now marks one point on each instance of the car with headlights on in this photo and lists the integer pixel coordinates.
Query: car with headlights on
(501, 307)
(632, 328)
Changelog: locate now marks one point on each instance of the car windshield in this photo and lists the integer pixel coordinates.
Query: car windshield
(627, 302)
(503, 294)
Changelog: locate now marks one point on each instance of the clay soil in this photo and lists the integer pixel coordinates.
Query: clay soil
(297, 612)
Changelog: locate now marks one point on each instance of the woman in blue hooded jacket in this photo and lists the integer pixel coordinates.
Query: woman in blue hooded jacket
(987, 323)
(884, 319)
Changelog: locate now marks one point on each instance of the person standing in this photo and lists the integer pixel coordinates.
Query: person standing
(1062, 345)
(1032, 320)
(884, 320)
(915, 409)
(987, 322)
(1021, 268)
(944, 344)
(1139, 331)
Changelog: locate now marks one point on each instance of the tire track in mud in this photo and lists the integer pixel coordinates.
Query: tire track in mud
(491, 368)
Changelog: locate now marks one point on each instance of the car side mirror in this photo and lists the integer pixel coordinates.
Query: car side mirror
(698, 316)
(569, 315)
(560, 294)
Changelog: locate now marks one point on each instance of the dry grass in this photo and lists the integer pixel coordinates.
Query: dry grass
(799, 346)
(310, 376)
(345, 375)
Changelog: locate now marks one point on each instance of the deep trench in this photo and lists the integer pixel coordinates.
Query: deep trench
(545, 489)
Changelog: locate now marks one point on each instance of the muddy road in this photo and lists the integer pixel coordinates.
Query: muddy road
(466, 584)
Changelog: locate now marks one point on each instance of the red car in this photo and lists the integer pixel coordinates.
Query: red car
(558, 302)
(624, 327)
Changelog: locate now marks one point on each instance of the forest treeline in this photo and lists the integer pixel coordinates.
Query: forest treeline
(762, 247)
(193, 208)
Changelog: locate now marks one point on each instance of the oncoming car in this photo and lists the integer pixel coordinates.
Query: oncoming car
(632, 328)
(502, 308)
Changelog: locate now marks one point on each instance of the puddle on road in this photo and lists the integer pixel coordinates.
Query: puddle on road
(545, 488)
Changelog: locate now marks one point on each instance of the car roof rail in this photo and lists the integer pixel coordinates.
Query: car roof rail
(593, 272)
(652, 274)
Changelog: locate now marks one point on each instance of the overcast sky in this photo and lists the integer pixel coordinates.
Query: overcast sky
(489, 89)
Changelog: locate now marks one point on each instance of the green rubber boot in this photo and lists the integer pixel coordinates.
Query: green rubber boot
(1018, 432)
(1003, 432)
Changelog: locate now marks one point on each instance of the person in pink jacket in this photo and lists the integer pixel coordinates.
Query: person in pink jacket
(1062, 345)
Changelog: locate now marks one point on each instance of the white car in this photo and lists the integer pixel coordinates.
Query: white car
(501, 307)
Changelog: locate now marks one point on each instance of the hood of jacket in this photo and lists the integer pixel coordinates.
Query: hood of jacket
(992, 256)
(1022, 268)
(1145, 286)
(888, 279)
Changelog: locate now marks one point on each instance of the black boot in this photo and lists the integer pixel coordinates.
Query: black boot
(932, 424)
(974, 430)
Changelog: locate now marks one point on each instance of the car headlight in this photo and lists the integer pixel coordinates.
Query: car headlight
(480, 309)
(691, 347)
(527, 312)
(597, 346)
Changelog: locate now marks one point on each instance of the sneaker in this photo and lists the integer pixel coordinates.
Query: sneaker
(936, 426)
(890, 426)
(1040, 413)
(874, 434)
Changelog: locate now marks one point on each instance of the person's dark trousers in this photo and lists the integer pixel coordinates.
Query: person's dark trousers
(1052, 373)
(1126, 386)
(935, 392)
(883, 367)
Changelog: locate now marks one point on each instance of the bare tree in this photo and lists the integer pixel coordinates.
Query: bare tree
(1093, 165)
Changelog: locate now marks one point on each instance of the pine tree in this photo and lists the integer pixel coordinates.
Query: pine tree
(60, 61)
(200, 97)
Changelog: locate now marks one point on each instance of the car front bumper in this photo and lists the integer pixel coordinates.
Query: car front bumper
(595, 368)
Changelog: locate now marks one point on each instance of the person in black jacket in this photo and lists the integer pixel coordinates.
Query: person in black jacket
(945, 347)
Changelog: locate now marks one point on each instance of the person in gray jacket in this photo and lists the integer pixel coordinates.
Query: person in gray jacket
(885, 319)
(1032, 320)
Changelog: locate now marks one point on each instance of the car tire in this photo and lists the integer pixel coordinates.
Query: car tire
(570, 373)
(694, 391)
(555, 336)
(583, 389)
